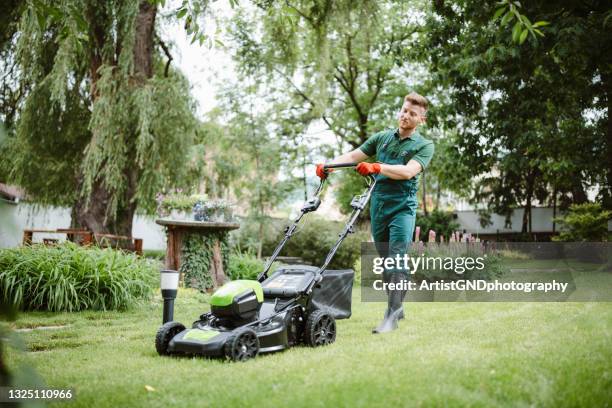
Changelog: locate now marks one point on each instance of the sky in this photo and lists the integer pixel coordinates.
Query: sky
(206, 69)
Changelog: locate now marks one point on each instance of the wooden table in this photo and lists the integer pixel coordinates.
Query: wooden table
(177, 229)
(71, 234)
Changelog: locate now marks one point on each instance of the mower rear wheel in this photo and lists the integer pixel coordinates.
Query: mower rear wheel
(165, 334)
(320, 329)
(242, 345)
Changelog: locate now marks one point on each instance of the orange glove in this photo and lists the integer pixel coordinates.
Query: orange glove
(321, 172)
(368, 168)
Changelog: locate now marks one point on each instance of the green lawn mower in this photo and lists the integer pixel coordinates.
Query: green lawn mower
(297, 304)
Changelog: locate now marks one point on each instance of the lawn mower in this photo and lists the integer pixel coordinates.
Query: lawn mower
(296, 304)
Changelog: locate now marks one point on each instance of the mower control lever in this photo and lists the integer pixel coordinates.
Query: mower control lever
(311, 205)
(359, 201)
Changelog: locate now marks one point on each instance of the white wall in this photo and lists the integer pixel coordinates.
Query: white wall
(14, 218)
(541, 221)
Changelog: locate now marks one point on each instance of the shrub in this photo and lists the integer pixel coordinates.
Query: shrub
(246, 238)
(156, 254)
(584, 223)
(315, 239)
(244, 266)
(441, 222)
(70, 278)
(347, 185)
(457, 253)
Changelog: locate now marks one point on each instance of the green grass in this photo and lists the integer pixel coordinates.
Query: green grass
(444, 354)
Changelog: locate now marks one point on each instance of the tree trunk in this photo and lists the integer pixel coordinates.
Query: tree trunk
(424, 195)
(94, 215)
(554, 226)
(526, 227)
(606, 77)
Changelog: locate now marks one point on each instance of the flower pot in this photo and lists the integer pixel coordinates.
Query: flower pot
(180, 215)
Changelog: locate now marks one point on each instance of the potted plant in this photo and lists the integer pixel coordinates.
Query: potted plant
(177, 205)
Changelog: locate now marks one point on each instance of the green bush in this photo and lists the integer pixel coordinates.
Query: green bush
(157, 254)
(347, 185)
(244, 266)
(315, 239)
(457, 253)
(246, 238)
(584, 223)
(312, 241)
(70, 278)
(441, 222)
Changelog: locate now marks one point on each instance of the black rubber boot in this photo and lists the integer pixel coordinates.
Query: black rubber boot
(394, 308)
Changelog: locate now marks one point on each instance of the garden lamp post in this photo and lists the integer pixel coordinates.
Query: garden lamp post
(169, 287)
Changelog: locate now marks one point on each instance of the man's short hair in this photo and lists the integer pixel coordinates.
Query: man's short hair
(417, 100)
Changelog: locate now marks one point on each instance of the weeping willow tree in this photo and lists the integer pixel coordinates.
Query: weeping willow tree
(102, 123)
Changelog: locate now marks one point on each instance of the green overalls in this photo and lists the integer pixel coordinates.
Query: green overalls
(394, 202)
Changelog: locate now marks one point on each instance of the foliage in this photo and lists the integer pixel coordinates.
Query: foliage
(70, 278)
(509, 10)
(316, 238)
(196, 256)
(521, 115)
(584, 223)
(246, 238)
(345, 63)
(257, 150)
(179, 201)
(312, 241)
(244, 265)
(443, 223)
(155, 254)
(93, 115)
(347, 185)
(457, 253)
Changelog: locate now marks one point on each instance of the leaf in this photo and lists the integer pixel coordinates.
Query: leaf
(506, 18)
(149, 388)
(498, 13)
(526, 21)
(540, 23)
(538, 32)
(42, 23)
(516, 31)
(181, 13)
(523, 36)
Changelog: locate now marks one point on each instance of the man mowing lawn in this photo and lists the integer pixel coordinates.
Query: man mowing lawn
(401, 154)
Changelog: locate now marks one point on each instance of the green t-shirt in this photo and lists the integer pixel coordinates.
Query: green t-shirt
(389, 149)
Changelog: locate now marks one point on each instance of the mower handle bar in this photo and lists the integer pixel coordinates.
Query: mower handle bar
(339, 166)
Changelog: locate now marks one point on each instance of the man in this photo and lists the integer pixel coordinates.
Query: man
(401, 154)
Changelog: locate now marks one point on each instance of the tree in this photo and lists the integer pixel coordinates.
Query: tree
(116, 120)
(255, 148)
(531, 118)
(345, 63)
(348, 64)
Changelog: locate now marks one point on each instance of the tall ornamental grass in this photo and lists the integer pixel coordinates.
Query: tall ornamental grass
(72, 278)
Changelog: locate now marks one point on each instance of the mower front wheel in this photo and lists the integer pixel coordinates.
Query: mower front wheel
(242, 345)
(165, 334)
(320, 329)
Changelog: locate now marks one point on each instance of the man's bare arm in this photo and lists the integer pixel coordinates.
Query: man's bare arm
(355, 156)
(401, 171)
